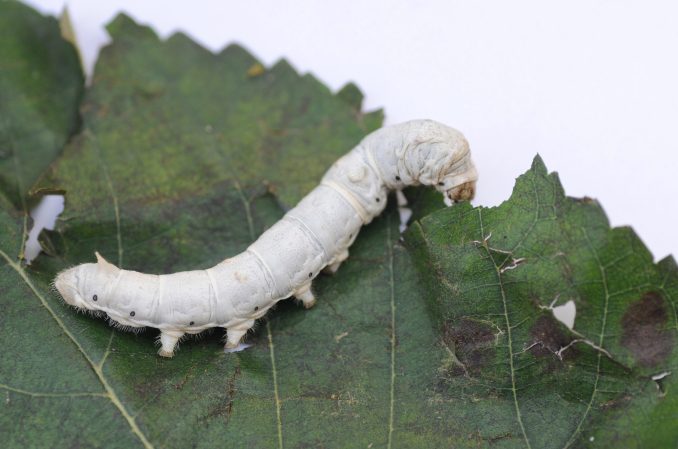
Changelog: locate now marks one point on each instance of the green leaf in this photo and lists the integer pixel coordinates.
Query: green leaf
(41, 84)
(186, 156)
(491, 277)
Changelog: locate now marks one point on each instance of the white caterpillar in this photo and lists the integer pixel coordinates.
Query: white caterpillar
(313, 236)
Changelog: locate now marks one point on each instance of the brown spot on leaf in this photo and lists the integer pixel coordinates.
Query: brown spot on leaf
(472, 342)
(256, 70)
(148, 389)
(223, 408)
(548, 337)
(585, 200)
(643, 330)
(616, 403)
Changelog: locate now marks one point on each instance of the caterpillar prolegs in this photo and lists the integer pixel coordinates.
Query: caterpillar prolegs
(284, 260)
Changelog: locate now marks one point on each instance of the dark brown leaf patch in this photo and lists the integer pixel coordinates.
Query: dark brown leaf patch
(473, 343)
(548, 337)
(643, 330)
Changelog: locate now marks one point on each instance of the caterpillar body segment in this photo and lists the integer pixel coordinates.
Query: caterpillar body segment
(312, 237)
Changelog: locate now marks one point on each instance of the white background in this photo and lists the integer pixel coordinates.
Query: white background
(590, 85)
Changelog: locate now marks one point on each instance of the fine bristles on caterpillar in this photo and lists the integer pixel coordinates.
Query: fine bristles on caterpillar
(124, 328)
(312, 237)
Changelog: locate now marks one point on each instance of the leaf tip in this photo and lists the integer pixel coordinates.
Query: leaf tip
(373, 119)
(668, 265)
(538, 166)
(239, 55)
(123, 25)
(352, 95)
(283, 67)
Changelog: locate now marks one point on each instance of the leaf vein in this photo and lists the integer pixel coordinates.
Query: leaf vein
(389, 245)
(502, 290)
(271, 347)
(110, 392)
(111, 189)
(38, 394)
(601, 338)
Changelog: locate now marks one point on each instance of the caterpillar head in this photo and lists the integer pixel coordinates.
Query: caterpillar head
(81, 286)
(461, 192)
(444, 160)
(426, 153)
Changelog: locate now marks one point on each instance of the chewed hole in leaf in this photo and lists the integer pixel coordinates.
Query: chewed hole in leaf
(44, 216)
(404, 212)
(566, 313)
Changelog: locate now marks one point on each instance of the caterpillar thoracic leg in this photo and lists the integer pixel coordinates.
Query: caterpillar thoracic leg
(313, 236)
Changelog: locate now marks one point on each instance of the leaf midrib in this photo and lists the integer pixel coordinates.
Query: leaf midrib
(509, 337)
(271, 347)
(601, 338)
(389, 245)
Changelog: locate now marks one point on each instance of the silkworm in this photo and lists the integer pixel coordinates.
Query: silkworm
(312, 237)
